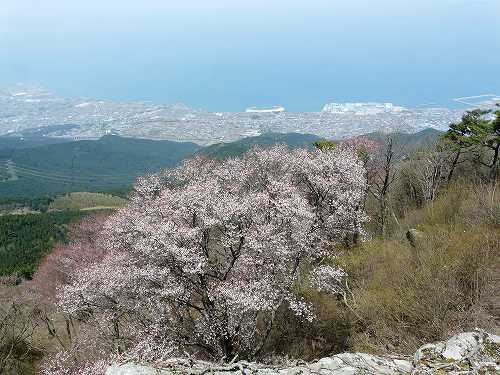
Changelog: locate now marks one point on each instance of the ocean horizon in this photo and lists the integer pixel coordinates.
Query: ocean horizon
(227, 57)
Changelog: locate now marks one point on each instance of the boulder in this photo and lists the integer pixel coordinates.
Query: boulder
(353, 363)
(476, 352)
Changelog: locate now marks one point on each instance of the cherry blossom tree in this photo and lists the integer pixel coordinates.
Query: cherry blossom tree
(205, 254)
(56, 271)
(83, 249)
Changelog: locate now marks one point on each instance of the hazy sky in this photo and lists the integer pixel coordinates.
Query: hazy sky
(227, 55)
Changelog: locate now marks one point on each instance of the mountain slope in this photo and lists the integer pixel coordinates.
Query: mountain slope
(92, 165)
(9, 144)
(113, 163)
(110, 154)
(238, 148)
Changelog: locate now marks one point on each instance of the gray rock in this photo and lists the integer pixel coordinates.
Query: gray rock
(341, 364)
(476, 352)
(131, 369)
(358, 363)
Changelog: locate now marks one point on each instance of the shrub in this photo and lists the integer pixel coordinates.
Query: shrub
(407, 296)
(19, 319)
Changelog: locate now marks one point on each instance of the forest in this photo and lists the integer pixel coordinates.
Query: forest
(25, 239)
(39, 169)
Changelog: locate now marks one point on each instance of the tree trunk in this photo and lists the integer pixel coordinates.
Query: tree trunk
(494, 163)
(454, 164)
(227, 348)
(385, 186)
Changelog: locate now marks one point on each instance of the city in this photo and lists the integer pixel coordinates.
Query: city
(27, 110)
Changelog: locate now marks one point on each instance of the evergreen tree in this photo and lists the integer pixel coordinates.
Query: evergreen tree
(477, 132)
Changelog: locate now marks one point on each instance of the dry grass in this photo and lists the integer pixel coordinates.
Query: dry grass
(447, 283)
(87, 201)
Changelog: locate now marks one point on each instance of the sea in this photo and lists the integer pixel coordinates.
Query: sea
(222, 55)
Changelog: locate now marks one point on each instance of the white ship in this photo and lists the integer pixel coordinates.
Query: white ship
(277, 109)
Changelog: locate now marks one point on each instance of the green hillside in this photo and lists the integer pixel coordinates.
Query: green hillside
(110, 154)
(109, 163)
(17, 143)
(9, 145)
(237, 148)
(112, 163)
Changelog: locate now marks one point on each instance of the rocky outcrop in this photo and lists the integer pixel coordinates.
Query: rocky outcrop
(474, 352)
(344, 364)
(467, 353)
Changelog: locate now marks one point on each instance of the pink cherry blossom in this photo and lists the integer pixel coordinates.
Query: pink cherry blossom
(205, 254)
